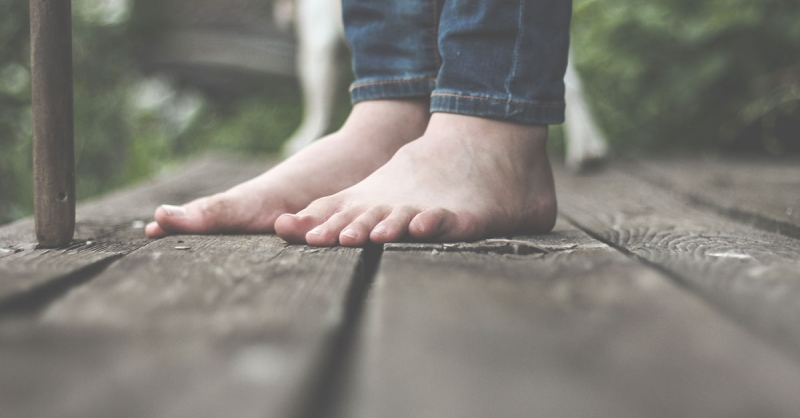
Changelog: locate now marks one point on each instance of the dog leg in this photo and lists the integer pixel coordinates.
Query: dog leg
(586, 145)
(318, 25)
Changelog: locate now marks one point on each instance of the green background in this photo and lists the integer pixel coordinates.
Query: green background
(662, 76)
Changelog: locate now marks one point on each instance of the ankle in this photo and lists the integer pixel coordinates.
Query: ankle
(402, 116)
(489, 135)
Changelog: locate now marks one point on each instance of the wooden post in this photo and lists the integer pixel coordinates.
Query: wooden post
(53, 136)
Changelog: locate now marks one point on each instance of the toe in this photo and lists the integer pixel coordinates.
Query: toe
(295, 228)
(220, 213)
(171, 218)
(327, 234)
(441, 225)
(153, 231)
(394, 227)
(358, 232)
(206, 215)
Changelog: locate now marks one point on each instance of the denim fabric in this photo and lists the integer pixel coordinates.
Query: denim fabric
(394, 47)
(501, 59)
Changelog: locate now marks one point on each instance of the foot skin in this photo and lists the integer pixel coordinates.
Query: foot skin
(466, 178)
(373, 132)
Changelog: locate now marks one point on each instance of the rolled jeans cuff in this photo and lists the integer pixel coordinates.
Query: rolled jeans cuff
(392, 88)
(538, 113)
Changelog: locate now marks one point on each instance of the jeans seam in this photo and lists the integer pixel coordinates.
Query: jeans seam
(489, 99)
(397, 81)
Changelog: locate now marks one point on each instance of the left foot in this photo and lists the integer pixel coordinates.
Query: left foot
(372, 133)
(466, 178)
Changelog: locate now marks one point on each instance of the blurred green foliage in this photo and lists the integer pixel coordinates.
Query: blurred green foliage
(14, 109)
(128, 126)
(661, 74)
(687, 74)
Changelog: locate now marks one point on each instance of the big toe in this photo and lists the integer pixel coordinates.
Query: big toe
(208, 215)
(442, 225)
(153, 231)
(293, 228)
(190, 218)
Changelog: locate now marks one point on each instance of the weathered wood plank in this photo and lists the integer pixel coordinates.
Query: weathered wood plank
(215, 284)
(233, 326)
(194, 326)
(752, 275)
(107, 228)
(48, 372)
(765, 193)
(572, 329)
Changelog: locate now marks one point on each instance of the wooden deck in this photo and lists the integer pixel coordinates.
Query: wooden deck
(668, 289)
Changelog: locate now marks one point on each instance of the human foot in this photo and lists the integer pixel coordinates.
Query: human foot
(371, 135)
(466, 178)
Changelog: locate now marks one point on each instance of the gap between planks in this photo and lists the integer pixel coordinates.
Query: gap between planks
(272, 350)
(230, 326)
(749, 274)
(509, 249)
(575, 329)
(108, 228)
(762, 193)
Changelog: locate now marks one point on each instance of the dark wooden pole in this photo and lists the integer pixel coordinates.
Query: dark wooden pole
(53, 142)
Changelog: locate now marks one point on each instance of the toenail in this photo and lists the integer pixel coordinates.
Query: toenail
(381, 230)
(315, 231)
(175, 211)
(350, 233)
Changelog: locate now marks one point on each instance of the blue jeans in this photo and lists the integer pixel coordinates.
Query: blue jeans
(500, 59)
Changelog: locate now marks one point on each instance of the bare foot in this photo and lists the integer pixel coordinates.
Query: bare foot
(373, 132)
(466, 178)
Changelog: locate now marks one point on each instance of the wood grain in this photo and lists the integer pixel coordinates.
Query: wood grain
(107, 228)
(575, 330)
(194, 326)
(764, 193)
(233, 326)
(214, 284)
(752, 275)
(76, 373)
(51, 373)
(53, 142)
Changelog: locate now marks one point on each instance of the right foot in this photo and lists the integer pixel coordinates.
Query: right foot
(373, 132)
(467, 178)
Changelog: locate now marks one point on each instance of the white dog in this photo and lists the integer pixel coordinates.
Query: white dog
(318, 29)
